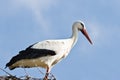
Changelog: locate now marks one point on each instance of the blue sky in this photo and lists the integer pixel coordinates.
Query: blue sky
(24, 22)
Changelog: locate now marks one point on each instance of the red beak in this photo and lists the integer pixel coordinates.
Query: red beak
(86, 35)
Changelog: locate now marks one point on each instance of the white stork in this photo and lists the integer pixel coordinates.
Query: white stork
(47, 53)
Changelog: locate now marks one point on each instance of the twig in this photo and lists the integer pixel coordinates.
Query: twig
(11, 77)
(6, 72)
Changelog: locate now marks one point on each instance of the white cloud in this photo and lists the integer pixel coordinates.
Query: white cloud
(37, 7)
(102, 34)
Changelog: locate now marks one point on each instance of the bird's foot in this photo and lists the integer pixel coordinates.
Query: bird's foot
(51, 77)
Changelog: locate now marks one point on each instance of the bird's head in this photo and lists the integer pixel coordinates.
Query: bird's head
(81, 27)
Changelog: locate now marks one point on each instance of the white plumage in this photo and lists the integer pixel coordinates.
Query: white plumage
(61, 47)
(47, 53)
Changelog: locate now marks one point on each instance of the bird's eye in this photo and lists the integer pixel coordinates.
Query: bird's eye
(82, 24)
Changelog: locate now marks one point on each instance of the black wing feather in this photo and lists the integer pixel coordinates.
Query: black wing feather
(31, 53)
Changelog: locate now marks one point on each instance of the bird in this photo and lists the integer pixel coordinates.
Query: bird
(47, 53)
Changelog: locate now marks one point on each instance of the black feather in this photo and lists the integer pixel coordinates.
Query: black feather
(31, 53)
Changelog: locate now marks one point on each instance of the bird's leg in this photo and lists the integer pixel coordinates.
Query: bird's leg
(47, 73)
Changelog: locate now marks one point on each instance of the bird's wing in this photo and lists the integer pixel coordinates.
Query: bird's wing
(54, 45)
(40, 49)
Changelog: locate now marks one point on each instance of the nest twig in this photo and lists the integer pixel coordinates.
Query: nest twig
(11, 77)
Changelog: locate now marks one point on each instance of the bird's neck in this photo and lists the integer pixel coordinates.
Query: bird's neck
(74, 36)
